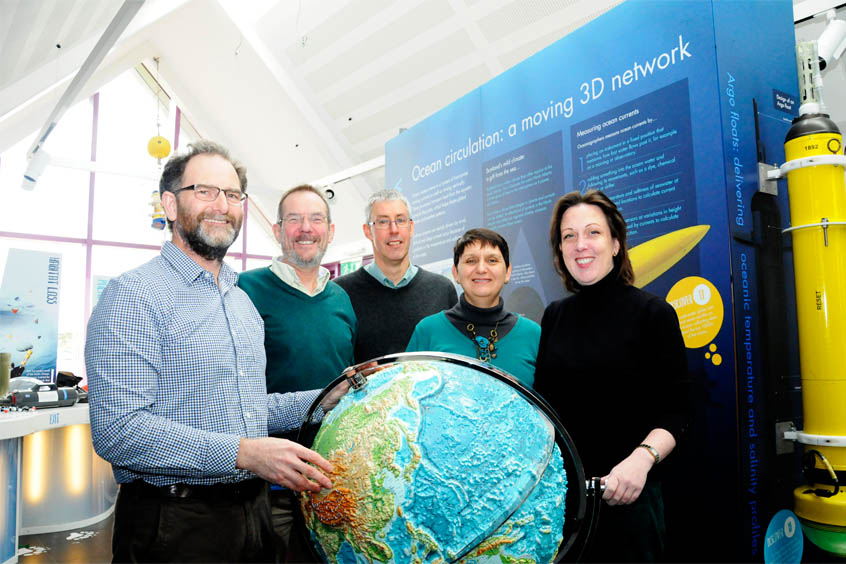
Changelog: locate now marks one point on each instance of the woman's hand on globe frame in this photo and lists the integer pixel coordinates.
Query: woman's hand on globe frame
(626, 480)
(624, 484)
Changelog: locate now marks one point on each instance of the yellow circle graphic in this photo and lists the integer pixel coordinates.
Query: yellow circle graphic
(700, 309)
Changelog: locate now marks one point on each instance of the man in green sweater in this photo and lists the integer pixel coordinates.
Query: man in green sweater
(309, 323)
(391, 295)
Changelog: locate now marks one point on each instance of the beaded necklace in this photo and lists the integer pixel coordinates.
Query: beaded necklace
(485, 347)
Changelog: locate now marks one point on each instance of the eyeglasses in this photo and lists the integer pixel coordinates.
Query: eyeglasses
(208, 193)
(385, 223)
(297, 219)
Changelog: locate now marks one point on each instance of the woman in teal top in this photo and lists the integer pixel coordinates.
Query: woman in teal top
(478, 325)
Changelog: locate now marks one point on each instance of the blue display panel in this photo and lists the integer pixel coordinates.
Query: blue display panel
(639, 155)
(656, 103)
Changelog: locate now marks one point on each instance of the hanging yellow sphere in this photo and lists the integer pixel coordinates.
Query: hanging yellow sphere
(158, 147)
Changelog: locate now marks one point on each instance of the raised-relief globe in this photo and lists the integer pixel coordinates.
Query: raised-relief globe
(437, 461)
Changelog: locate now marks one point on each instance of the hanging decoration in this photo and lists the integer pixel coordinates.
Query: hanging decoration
(158, 214)
(158, 147)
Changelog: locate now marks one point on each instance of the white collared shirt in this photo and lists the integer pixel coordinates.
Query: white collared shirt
(288, 275)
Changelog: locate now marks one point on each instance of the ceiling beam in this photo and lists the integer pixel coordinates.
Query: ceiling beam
(352, 172)
(807, 9)
(294, 86)
(110, 36)
(464, 14)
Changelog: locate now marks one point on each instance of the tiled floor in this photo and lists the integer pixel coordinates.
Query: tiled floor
(91, 544)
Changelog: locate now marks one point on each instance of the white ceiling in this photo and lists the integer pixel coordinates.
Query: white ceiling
(298, 89)
(32, 34)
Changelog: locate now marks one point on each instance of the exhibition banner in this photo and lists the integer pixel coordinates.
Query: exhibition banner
(758, 100)
(655, 103)
(29, 311)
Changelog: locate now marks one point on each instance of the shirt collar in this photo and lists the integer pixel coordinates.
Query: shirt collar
(373, 270)
(190, 270)
(288, 274)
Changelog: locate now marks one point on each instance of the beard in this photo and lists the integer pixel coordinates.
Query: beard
(208, 246)
(290, 256)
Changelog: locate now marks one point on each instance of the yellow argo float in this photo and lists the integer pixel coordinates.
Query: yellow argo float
(817, 189)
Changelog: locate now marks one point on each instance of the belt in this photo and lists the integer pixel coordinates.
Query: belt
(238, 491)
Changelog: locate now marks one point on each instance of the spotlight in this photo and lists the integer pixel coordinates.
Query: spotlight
(37, 163)
(832, 42)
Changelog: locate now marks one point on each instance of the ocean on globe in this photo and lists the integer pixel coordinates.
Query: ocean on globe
(438, 462)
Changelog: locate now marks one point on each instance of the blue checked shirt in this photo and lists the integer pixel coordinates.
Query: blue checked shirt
(176, 374)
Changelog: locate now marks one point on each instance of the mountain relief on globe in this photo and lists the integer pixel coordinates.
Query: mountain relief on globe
(438, 462)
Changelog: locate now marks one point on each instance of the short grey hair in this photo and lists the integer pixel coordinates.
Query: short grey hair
(304, 188)
(385, 196)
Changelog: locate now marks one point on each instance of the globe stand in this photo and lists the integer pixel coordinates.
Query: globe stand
(583, 498)
(583, 543)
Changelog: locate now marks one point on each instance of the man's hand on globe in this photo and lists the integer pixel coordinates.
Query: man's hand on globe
(365, 370)
(285, 463)
(333, 397)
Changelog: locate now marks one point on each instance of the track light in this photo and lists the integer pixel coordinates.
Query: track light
(36, 165)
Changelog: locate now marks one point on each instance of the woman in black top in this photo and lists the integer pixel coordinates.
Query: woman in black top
(612, 363)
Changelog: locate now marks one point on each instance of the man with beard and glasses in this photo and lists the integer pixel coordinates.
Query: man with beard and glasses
(176, 369)
(309, 322)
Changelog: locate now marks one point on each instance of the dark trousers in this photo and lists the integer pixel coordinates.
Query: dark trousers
(290, 528)
(631, 533)
(220, 523)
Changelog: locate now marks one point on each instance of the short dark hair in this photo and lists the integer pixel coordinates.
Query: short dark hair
(304, 188)
(171, 179)
(486, 237)
(616, 223)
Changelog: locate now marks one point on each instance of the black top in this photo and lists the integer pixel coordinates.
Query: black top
(612, 363)
(484, 318)
(388, 316)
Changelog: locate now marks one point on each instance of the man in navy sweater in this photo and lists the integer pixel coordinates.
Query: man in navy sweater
(391, 295)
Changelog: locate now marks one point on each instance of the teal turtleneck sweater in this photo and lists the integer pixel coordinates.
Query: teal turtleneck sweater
(516, 346)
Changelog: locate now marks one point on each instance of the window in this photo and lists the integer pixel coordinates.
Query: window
(114, 233)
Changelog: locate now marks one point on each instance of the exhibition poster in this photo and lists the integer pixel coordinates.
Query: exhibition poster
(668, 116)
(29, 311)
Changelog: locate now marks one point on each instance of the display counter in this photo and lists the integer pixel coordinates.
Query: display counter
(55, 481)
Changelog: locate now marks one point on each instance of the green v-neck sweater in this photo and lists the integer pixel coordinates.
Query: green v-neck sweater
(308, 339)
